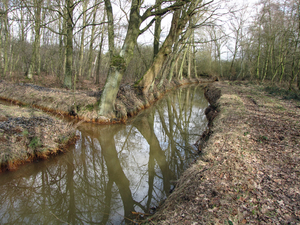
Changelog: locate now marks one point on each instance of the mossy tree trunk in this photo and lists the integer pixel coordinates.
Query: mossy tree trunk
(119, 62)
(180, 18)
(161, 56)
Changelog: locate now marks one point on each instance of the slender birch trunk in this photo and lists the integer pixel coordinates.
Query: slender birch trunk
(6, 37)
(69, 45)
(100, 54)
(90, 58)
(85, 3)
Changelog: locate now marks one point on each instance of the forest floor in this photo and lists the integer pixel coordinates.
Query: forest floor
(249, 169)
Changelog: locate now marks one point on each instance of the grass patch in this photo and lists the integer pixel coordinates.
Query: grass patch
(25, 133)
(35, 143)
(90, 107)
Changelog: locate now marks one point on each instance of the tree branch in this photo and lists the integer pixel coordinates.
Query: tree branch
(147, 27)
(161, 12)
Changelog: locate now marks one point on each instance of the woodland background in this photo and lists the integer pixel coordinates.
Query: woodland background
(235, 41)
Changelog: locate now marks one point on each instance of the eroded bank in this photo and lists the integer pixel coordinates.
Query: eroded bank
(248, 172)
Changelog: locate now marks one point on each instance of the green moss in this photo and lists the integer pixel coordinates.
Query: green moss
(118, 62)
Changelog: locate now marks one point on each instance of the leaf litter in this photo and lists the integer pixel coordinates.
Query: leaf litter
(249, 169)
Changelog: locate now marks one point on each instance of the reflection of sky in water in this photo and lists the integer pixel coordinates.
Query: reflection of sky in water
(111, 170)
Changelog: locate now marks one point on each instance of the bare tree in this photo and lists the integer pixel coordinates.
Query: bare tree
(118, 62)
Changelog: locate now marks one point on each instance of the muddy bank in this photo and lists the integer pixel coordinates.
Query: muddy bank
(27, 135)
(249, 170)
(83, 104)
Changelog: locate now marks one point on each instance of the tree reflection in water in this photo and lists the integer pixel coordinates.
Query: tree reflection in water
(112, 170)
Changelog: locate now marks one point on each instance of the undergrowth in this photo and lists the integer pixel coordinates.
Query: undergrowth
(284, 93)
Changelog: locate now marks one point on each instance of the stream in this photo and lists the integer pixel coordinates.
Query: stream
(112, 170)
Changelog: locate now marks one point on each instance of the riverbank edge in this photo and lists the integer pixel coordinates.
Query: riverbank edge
(40, 154)
(245, 173)
(212, 94)
(29, 135)
(83, 105)
(12, 163)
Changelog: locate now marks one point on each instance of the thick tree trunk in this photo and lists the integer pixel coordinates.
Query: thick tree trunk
(161, 56)
(118, 62)
(108, 97)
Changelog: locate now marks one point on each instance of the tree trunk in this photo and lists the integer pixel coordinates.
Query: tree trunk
(6, 37)
(90, 58)
(267, 62)
(161, 56)
(69, 45)
(258, 56)
(36, 44)
(100, 54)
(118, 62)
(182, 64)
(157, 31)
(189, 61)
(194, 55)
(85, 2)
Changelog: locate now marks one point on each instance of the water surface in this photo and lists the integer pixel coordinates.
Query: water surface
(112, 170)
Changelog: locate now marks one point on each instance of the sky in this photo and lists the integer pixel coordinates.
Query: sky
(147, 37)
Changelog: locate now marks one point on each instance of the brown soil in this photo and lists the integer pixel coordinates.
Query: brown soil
(27, 134)
(249, 170)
